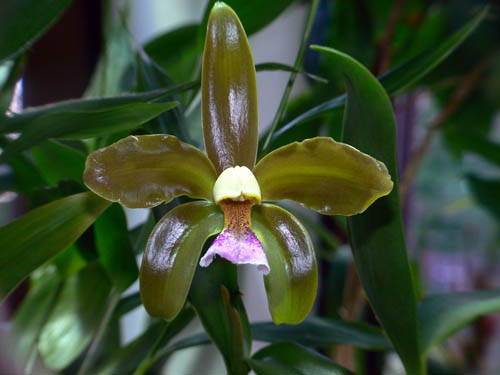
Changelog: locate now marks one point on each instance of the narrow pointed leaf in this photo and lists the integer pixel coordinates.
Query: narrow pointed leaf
(293, 359)
(229, 92)
(292, 282)
(376, 236)
(327, 176)
(59, 111)
(114, 249)
(171, 256)
(322, 332)
(144, 171)
(442, 315)
(87, 124)
(58, 225)
(23, 21)
(75, 317)
(400, 77)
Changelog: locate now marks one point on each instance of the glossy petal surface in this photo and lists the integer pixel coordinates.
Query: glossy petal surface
(144, 171)
(172, 253)
(330, 177)
(291, 285)
(229, 92)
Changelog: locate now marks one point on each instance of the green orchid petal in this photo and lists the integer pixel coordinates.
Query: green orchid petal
(172, 253)
(144, 171)
(229, 92)
(292, 282)
(330, 177)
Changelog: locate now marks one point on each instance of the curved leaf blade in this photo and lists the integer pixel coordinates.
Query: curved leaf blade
(400, 77)
(85, 124)
(376, 236)
(293, 359)
(24, 21)
(75, 317)
(58, 224)
(293, 279)
(146, 170)
(327, 176)
(322, 332)
(172, 253)
(442, 315)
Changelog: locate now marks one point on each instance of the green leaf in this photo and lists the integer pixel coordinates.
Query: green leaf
(75, 317)
(322, 332)
(293, 279)
(292, 359)
(57, 162)
(228, 92)
(17, 123)
(327, 176)
(41, 234)
(486, 192)
(147, 170)
(24, 21)
(217, 301)
(399, 77)
(176, 51)
(85, 124)
(114, 249)
(150, 77)
(376, 236)
(471, 141)
(172, 253)
(442, 315)
(69, 261)
(31, 316)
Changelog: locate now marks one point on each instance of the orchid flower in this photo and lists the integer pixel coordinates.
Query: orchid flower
(329, 177)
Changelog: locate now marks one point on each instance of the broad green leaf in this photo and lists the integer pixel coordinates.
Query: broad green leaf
(114, 249)
(486, 192)
(376, 236)
(292, 282)
(75, 317)
(151, 77)
(144, 171)
(31, 316)
(57, 162)
(327, 176)
(322, 332)
(292, 359)
(17, 123)
(229, 92)
(401, 76)
(442, 315)
(24, 21)
(85, 124)
(217, 301)
(70, 261)
(172, 254)
(176, 51)
(41, 234)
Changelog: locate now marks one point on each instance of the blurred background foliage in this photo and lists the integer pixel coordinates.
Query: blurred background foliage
(438, 60)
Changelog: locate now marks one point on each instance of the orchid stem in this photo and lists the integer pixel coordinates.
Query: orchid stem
(313, 8)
